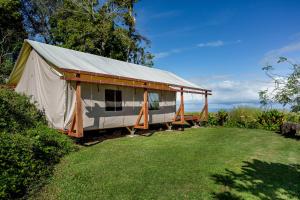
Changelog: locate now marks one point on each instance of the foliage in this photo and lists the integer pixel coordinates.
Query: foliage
(5, 69)
(222, 117)
(244, 117)
(286, 87)
(271, 119)
(292, 117)
(212, 119)
(26, 159)
(28, 148)
(12, 34)
(36, 15)
(247, 117)
(103, 28)
(17, 113)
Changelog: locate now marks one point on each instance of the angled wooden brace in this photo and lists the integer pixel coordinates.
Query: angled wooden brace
(180, 111)
(76, 128)
(204, 112)
(143, 112)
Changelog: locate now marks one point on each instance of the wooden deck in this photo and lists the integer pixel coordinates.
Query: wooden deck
(188, 118)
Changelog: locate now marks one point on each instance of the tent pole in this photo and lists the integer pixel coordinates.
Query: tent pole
(79, 120)
(181, 107)
(206, 106)
(146, 122)
(143, 111)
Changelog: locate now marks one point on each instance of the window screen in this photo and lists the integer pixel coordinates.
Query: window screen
(113, 100)
(153, 99)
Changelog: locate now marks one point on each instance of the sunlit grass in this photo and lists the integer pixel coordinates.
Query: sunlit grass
(202, 163)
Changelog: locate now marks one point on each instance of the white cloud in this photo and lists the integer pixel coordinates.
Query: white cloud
(272, 55)
(217, 43)
(166, 14)
(227, 93)
(167, 53)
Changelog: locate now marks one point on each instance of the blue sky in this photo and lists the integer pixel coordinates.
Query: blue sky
(221, 45)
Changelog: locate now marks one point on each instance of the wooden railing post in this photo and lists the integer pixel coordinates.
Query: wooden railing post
(206, 106)
(181, 107)
(143, 111)
(146, 121)
(79, 119)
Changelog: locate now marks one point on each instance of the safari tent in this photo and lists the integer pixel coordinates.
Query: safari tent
(80, 91)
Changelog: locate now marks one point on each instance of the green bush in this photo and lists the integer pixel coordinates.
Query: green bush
(247, 117)
(271, 119)
(17, 165)
(244, 117)
(212, 119)
(222, 117)
(292, 117)
(49, 145)
(17, 113)
(28, 148)
(27, 158)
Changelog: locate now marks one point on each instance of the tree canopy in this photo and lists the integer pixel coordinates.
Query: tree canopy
(106, 28)
(286, 89)
(12, 34)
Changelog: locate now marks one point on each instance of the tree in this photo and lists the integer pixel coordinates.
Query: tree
(12, 34)
(106, 28)
(286, 87)
(37, 15)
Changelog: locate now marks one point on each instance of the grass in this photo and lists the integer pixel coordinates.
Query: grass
(205, 163)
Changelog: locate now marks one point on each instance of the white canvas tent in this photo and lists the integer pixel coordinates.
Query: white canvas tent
(73, 88)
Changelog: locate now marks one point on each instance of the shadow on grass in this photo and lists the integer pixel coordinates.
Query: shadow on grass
(94, 137)
(265, 180)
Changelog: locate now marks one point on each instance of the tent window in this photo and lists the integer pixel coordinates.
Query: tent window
(153, 101)
(113, 100)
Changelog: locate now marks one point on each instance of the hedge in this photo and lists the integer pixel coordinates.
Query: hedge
(28, 148)
(245, 117)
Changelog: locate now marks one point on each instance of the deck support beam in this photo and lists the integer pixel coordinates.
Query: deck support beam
(204, 112)
(143, 112)
(76, 128)
(180, 110)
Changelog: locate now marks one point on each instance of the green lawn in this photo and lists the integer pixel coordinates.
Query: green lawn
(204, 163)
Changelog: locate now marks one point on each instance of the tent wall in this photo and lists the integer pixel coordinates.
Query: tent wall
(95, 116)
(43, 84)
(56, 98)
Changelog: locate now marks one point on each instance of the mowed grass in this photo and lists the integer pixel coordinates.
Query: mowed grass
(204, 163)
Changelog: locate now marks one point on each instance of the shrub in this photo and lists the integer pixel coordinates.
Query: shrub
(222, 117)
(49, 145)
(244, 117)
(292, 117)
(271, 119)
(212, 119)
(17, 113)
(17, 165)
(27, 158)
(28, 148)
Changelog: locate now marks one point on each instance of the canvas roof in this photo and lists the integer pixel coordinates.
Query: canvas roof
(63, 58)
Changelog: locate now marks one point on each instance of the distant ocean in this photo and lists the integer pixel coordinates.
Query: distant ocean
(197, 107)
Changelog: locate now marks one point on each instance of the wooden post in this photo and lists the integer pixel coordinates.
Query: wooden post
(143, 111)
(79, 120)
(146, 122)
(206, 106)
(181, 107)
